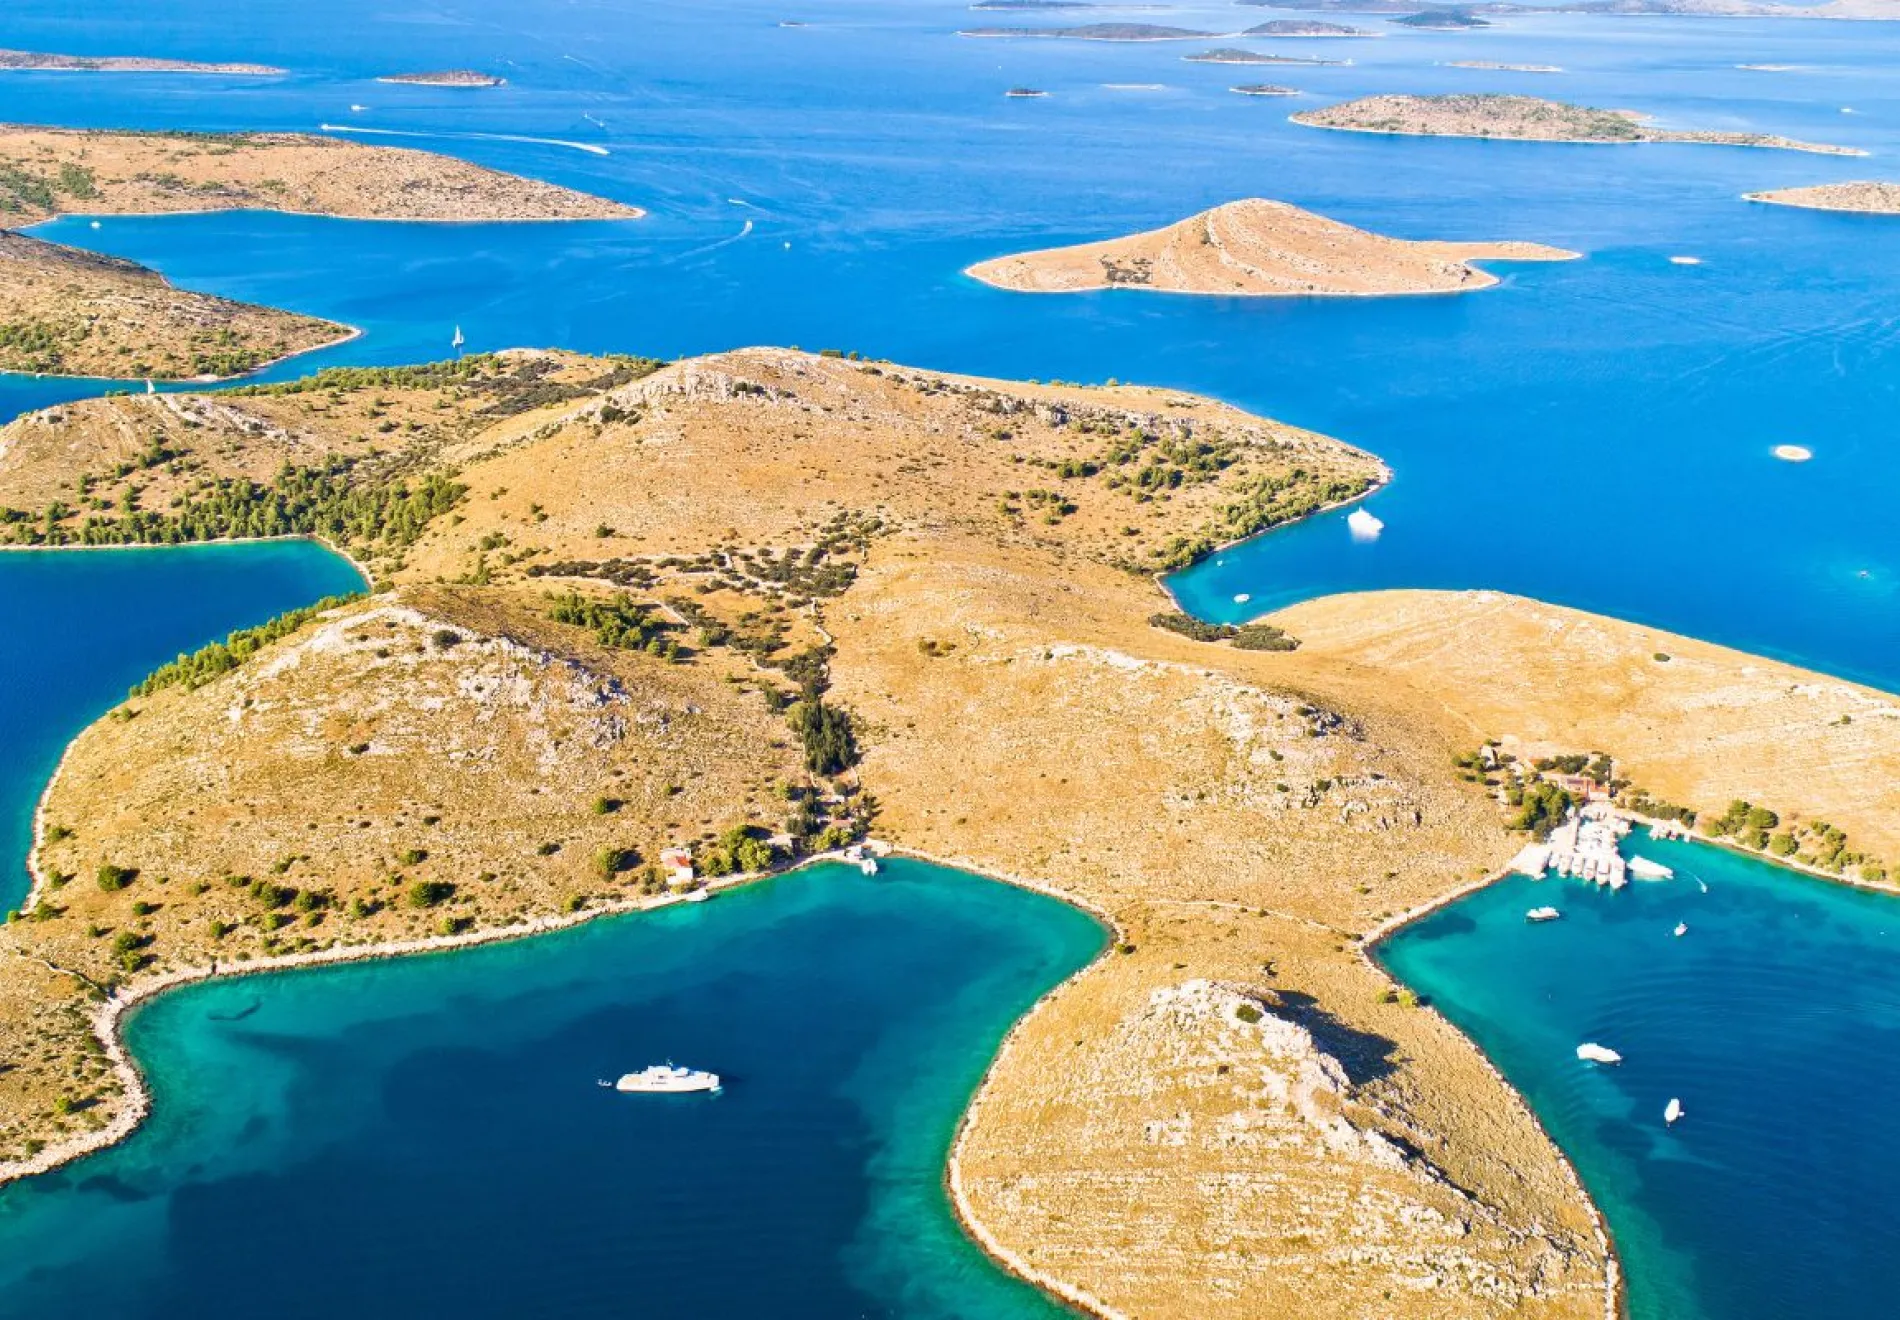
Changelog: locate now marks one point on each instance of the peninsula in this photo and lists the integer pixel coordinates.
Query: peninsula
(742, 606)
(1259, 248)
(33, 61)
(445, 78)
(1525, 119)
(1866, 196)
(46, 172)
(67, 312)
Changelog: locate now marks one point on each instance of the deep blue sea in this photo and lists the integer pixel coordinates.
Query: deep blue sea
(1596, 433)
(425, 1137)
(1775, 1020)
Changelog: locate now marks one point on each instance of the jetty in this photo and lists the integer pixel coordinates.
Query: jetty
(1583, 847)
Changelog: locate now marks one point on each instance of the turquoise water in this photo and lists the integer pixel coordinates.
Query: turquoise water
(1631, 402)
(424, 1136)
(84, 625)
(1776, 1022)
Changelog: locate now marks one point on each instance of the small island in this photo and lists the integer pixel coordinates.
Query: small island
(33, 61)
(68, 312)
(1501, 68)
(1867, 197)
(445, 78)
(1257, 248)
(1264, 89)
(1525, 119)
(1025, 93)
(1234, 55)
(1299, 27)
(1445, 20)
(1095, 32)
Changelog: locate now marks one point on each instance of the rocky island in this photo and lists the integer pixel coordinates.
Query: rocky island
(1095, 32)
(1867, 197)
(1259, 248)
(1443, 20)
(67, 312)
(1234, 55)
(1299, 27)
(445, 78)
(50, 171)
(1525, 119)
(22, 61)
(1502, 68)
(1264, 89)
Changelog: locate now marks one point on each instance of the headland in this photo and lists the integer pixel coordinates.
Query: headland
(1867, 197)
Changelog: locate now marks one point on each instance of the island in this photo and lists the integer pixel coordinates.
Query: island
(1449, 20)
(1234, 55)
(1872, 10)
(642, 630)
(17, 61)
(1095, 32)
(1264, 89)
(52, 171)
(1025, 93)
(1258, 248)
(67, 312)
(1525, 119)
(1503, 68)
(1300, 27)
(1866, 196)
(445, 78)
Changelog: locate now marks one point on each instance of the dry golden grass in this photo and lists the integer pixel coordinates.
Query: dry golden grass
(73, 313)
(108, 173)
(1018, 714)
(1258, 247)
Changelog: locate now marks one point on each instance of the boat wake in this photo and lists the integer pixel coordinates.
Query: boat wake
(588, 147)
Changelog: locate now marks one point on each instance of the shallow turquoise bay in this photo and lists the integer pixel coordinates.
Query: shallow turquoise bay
(1776, 1022)
(425, 1136)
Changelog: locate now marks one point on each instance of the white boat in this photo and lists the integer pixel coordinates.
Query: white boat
(1682, 928)
(1644, 869)
(1542, 914)
(457, 342)
(867, 864)
(1591, 1052)
(665, 1079)
(698, 895)
(1363, 526)
(1673, 1112)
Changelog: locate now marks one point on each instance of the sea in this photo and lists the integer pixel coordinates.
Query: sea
(818, 173)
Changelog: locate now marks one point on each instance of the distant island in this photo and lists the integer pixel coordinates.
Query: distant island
(1866, 197)
(40, 61)
(445, 78)
(1525, 119)
(1025, 92)
(1448, 19)
(64, 311)
(1095, 32)
(1872, 10)
(1259, 248)
(46, 172)
(1300, 27)
(1502, 68)
(1234, 55)
(1264, 89)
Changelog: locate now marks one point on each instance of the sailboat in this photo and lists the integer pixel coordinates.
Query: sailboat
(457, 342)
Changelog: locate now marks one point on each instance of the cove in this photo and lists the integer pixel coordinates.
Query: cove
(424, 1136)
(84, 625)
(1775, 1020)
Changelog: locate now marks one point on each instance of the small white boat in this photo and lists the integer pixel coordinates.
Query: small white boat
(868, 864)
(457, 342)
(698, 895)
(665, 1079)
(1591, 1052)
(1363, 525)
(1243, 598)
(1673, 1112)
(1682, 928)
(1542, 914)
